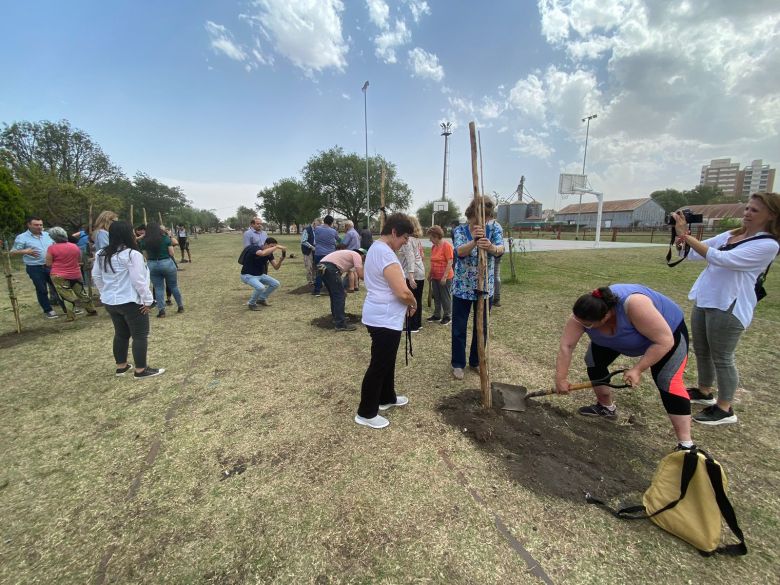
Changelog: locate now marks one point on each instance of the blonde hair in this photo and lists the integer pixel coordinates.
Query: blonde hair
(436, 231)
(418, 231)
(104, 220)
(772, 202)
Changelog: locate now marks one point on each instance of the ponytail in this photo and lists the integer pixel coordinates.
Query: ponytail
(593, 306)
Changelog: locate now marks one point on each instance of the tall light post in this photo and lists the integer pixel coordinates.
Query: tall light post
(365, 123)
(446, 131)
(584, 157)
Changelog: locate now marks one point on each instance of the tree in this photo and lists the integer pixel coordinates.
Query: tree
(703, 194)
(669, 199)
(56, 149)
(243, 216)
(339, 181)
(12, 206)
(443, 218)
(289, 202)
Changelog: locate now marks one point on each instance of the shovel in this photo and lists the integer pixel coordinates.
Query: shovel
(512, 397)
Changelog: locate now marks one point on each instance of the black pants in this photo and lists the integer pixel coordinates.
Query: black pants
(415, 321)
(129, 322)
(379, 380)
(331, 276)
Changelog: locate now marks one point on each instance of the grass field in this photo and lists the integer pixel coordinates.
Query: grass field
(242, 463)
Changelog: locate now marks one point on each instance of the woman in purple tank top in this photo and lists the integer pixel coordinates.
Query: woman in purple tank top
(635, 321)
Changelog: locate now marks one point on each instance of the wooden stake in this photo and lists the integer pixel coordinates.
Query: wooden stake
(382, 199)
(145, 222)
(132, 216)
(9, 279)
(159, 216)
(482, 299)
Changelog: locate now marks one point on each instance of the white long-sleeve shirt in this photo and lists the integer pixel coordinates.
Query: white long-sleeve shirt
(731, 275)
(125, 281)
(412, 262)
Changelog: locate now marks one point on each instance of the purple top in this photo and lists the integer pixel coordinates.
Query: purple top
(351, 239)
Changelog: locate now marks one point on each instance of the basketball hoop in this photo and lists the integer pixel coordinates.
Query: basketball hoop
(571, 184)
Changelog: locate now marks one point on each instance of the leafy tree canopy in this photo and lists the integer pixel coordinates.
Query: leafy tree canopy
(339, 181)
(672, 199)
(288, 202)
(12, 205)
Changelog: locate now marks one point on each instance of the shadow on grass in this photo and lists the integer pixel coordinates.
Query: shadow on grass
(555, 452)
(326, 321)
(54, 327)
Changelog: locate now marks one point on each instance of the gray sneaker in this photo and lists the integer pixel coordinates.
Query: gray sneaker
(399, 401)
(457, 373)
(599, 410)
(51, 315)
(378, 422)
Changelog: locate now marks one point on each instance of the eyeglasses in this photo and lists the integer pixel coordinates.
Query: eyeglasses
(591, 326)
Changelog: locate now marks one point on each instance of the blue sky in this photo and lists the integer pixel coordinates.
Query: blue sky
(225, 97)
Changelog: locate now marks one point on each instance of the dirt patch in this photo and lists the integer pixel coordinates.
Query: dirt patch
(305, 289)
(553, 451)
(326, 321)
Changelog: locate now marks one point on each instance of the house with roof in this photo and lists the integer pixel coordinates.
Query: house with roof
(717, 212)
(624, 213)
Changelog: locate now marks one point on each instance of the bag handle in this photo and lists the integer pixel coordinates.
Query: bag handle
(726, 510)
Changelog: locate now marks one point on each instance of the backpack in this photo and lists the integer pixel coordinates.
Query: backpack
(687, 498)
(242, 256)
(759, 286)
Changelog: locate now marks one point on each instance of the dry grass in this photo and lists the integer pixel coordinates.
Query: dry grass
(109, 480)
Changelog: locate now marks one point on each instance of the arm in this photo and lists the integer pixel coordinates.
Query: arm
(171, 253)
(395, 279)
(18, 249)
(572, 332)
(744, 258)
(270, 250)
(463, 247)
(277, 263)
(407, 251)
(136, 268)
(495, 246)
(49, 259)
(649, 322)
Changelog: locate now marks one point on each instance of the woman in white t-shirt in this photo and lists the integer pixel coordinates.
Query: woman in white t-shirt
(388, 301)
(725, 297)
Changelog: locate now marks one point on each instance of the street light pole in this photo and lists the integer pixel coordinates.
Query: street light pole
(365, 123)
(446, 131)
(584, 156)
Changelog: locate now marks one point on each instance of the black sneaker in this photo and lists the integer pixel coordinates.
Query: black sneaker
(346, 327)
(445, 321)
(599, 410)
(123, 371)
(148, 373)
(168, 302)
(180, 310)
(713, 415)
(433, 318)
(252, 307)
(698, 397)
(497, 303)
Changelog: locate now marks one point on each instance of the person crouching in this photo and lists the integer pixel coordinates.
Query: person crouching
(332, 267)
(255, 267)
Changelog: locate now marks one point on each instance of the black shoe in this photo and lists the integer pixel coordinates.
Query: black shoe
(123, 371)
(252, 307)
(148, 373)
(445, 321)
(264, 302)
(346, 327)
(698, 397)
(713, 415)
(168, 302)
(599, 410)
(680, 447)
(180, 310)
(496, 303)
(433, 318)
(161, 315)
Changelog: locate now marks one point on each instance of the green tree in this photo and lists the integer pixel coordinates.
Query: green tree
(338, 179)
(12, 205)
(242, 218)
(443, 218)
(280, 202)
(669, 199)
(703, 194)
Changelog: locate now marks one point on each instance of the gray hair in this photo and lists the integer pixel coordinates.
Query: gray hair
(348, 224)
(58, 234)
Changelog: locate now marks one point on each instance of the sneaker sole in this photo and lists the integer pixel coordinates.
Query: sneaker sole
(724, 421)
(612, 417)
(386, 407)
(364, 424)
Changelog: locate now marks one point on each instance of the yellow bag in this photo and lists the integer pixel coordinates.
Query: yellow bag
(687, 498)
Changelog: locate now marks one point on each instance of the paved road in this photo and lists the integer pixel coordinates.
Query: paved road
(540, 245)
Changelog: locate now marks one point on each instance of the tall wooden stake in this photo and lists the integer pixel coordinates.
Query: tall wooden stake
(132, 215)
(382, 199)
(482, 298)
(9, 279)
(144, 210)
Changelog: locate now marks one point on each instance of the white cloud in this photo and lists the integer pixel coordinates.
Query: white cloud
(307, 32)
(378, 12)
(491, 109)
(346, 96)
(418, 8)
(389, 40)
(533, 144)
(222, 42)
(425, 65)
(528, 96)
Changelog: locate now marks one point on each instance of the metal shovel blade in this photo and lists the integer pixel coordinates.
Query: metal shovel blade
(509, 396)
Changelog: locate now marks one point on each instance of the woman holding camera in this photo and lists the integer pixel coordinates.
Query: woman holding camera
(725, 298)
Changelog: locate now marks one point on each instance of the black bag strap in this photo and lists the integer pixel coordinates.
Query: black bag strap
(690, 463)
(408, 340)
(686, 251)
(726, 510)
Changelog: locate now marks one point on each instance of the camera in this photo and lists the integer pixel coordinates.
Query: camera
(690, 218)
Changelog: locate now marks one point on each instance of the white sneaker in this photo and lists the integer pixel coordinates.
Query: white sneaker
(457, 373)
(378, 422)
(399, 401)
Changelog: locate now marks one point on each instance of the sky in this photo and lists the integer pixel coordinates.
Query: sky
(224, 97)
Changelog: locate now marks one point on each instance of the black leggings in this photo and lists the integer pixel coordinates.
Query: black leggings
(129, 322)
(667, 372)
(379, 380)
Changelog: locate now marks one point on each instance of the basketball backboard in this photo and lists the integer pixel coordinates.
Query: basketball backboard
(568, 183)
(441, 206)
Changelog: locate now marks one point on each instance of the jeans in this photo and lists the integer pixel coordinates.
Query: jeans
(72, 291)
(129, 322)
(442, 298)
(317, 275)
(332, 278)
(163, 273)
(42, 281)
(264, 285)
(379, 381)
(715, 337)
(460, 320)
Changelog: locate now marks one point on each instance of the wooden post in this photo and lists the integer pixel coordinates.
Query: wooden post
(484, 375)
(382, 200)
(159, 216)
(145, 222)
(9, 279)
(132, 216)
(614, 234)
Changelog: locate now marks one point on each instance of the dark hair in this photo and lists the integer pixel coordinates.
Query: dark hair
(328, 219)
(271, 241)
(399, 222)
(120, 237)
(138, 228)
(153, 240)
(594, 305)
(33, 218)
